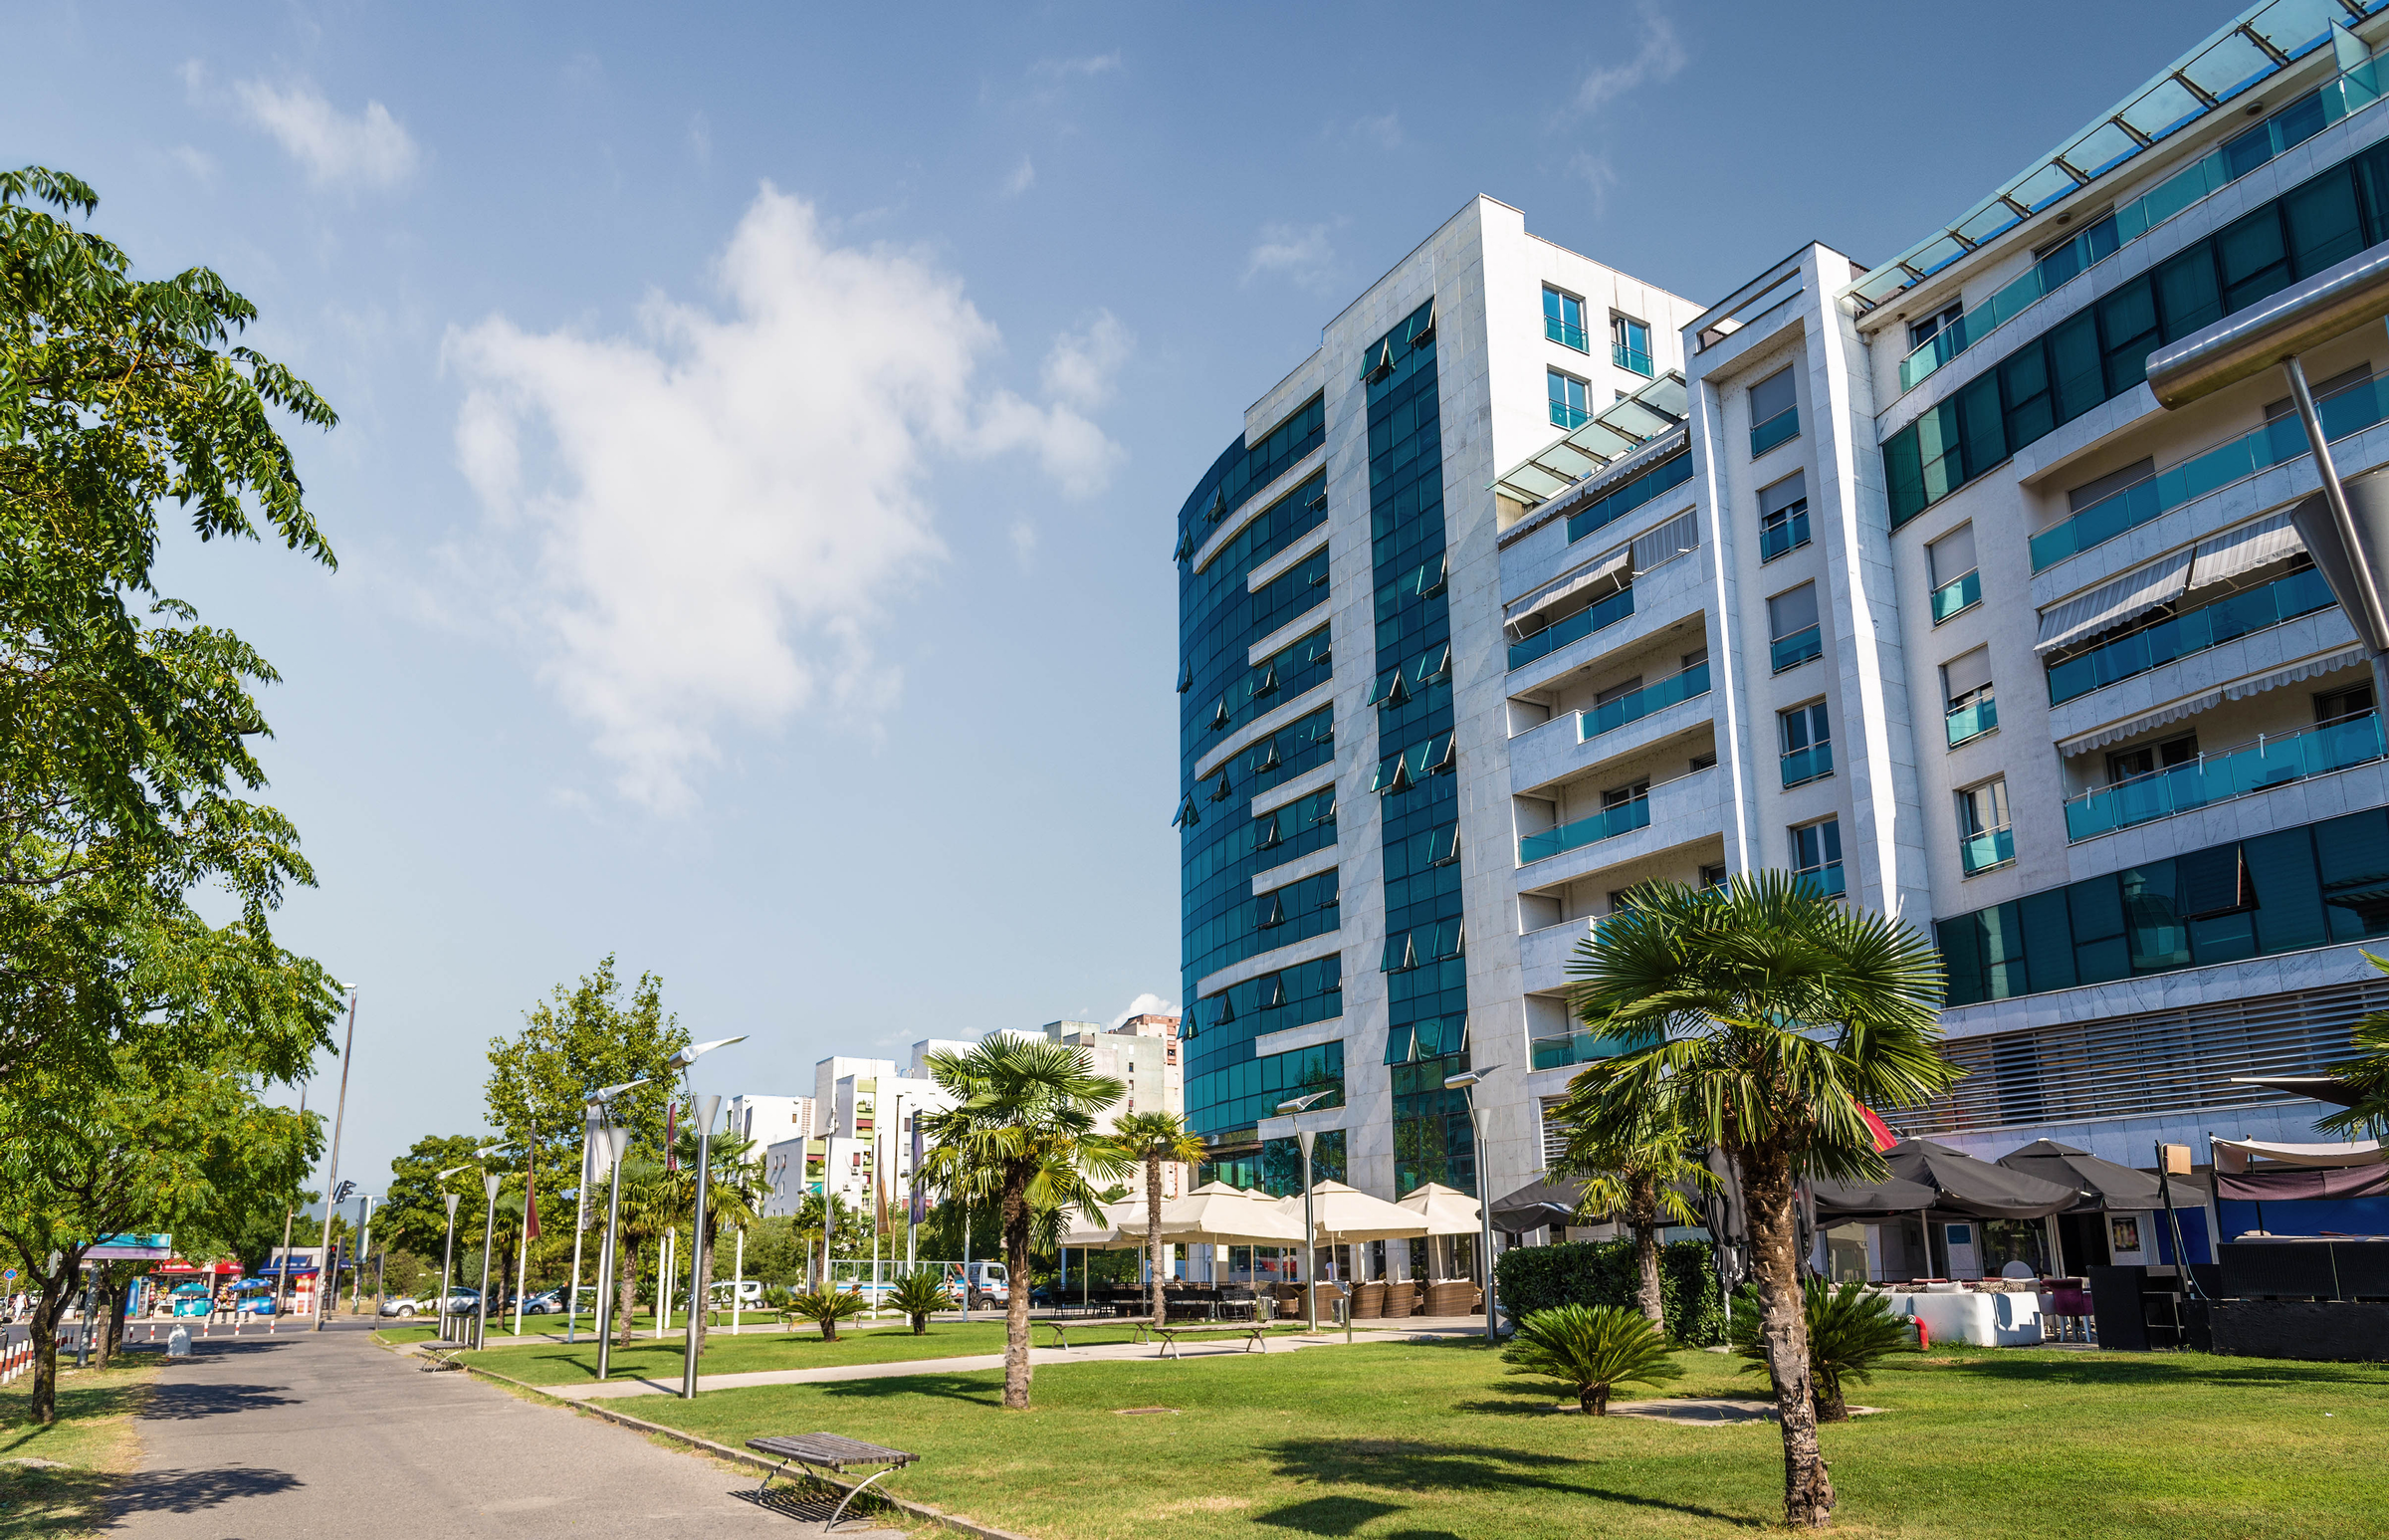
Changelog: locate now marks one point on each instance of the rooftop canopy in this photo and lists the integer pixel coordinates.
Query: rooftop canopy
(1626, 426)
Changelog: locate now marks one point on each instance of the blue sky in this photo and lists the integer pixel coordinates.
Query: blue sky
(763, 428)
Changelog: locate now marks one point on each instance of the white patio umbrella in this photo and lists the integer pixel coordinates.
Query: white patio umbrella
(1447, 1210)
(1216, 1214)
(1091, 1232)
(1348, 1214)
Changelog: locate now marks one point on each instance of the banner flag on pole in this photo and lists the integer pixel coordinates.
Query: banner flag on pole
(531, 1204)
(671, 1125)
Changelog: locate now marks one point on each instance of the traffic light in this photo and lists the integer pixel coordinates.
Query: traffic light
(340, 1194)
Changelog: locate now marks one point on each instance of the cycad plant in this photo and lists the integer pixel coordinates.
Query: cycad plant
(918, 1294)
(1849, 1328)
(826, 1307)
(1155, 1138)
(1765, 1018)
(1591, 1349)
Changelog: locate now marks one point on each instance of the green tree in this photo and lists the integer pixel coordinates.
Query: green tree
(1152, 1138)
(160, 1145)
(1591, 1349)
(1849, 1328)
(1641, 1171)
(413, 1214)
(734, 1199)
(821, 1220)
(919, 1295)
(2367, 1075)
(127, 726)
(1023, 1131)
(1764, 1018)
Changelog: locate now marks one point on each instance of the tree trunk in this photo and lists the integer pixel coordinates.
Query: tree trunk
(42, 1410)
(114, 1339)
(1015, 1307)
(1765, 1173)
(701, 1308)
(103, 1300)
(627, 1289)
(1642, 1213)
(1594, 1400)
(1153, 1235)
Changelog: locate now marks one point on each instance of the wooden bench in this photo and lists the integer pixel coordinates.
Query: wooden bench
(828, 1452)
(1257, 1335)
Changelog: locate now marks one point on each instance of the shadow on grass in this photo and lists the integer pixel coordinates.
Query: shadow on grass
(2178, 1370)
(984, 1387)
(1326, 1515)
(1400, 1466)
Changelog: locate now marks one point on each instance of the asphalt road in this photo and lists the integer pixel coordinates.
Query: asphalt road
(299, 1437)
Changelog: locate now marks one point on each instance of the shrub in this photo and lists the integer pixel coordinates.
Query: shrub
(1602, 1272)
(1849, 1328)
(1591, 1349)
(827, 1307)
(919, 1293)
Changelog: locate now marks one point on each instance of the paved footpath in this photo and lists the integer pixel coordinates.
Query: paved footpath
(295, 1438)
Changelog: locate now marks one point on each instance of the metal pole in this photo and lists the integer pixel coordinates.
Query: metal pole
(738, 1279)
(364, 1244)
(331, 1179)
(1310, 1233)
(1484, 1213)
(489, 1226)
(281, 1278)
(580, 1219)
(707, 1109)
(663, 1281)
(2335, 496)
(618, 1141)
(447, 1266)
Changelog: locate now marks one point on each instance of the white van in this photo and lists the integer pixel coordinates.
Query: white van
(750, 1291)
(989, 1283)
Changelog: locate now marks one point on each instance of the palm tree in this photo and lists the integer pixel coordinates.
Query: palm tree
(1591, 1349)
(1848, 1328)
(2368, 1075)
(646, 1214)
(1021, 1131)
(820, 1216)
(1641, 1172)
(1155, 1138)
(733, 1200)
(1765, 1018)
(826, 1307)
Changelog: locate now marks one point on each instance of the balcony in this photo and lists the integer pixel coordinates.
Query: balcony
(1775, 430)
(1593, 618)
(1568, 335)
(1788, 652)
(1958, 594)
(2210, 625)
(1787, 536)
(1633, 359)
(1628, 816)
(1824, 881)
(1970, 721)
(1802, 765)
(1979, 853)
(2218, 777)
(1564, 416)
(1573, 1048)
(1610, 716)
(2343, 413)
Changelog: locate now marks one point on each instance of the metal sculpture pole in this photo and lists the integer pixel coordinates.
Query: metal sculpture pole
(707, 1109)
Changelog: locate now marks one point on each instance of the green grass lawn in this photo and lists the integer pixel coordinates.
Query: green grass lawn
(1429, 1442)
(93, 1442)
(553, 1363)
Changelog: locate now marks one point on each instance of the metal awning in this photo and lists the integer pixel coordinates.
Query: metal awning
(1610, 567)
(1623, 428)
(2111, 605)
(2322, 1088)
(2243, 550)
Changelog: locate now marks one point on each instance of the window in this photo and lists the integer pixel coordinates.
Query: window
(1563, 319)
(1923, 332)
(1571, 406)
(1956, 584)
(1706, 759)
(1966, 686)
(1816, 855)
(2332, 704)
(1713, 875)
(2147, 760)
(1617, 692)
(1782, 517)
(1806, 741)
(1629, 344)
(1984, 838)
(1619, 797)
(1791, 623)
(1774, 413)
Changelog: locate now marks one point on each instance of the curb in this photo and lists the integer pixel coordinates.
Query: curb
(920, 1510)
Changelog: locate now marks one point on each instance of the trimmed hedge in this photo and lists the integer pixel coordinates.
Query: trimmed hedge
(1602, 1272)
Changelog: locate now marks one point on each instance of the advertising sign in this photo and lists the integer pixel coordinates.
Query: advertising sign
(131, 1248)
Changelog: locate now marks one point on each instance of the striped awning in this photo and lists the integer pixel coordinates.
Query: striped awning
(2243, 550)
(1611, 568)
(2111, 605)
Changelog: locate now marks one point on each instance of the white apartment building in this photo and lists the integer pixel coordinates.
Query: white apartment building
(1897, 577)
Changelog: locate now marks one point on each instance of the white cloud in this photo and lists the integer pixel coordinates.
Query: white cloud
(1301, 253)
(1599, 176)
(1146, 1004)
(700, 138)
(1385, 131)
(198, 162)
(1660, 58)
(1024, 177)
(1080, 365)
(369, 150)
(713, 516)
(1065, 69)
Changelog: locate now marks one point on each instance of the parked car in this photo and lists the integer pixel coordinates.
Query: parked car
(750, 1294)
(407, 1306)
(549, 1303)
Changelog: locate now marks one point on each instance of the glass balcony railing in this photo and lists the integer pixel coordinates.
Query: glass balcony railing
(1775, 539)
(2217, 778)
(1610, 716)
(1633, 359)
(1565, 335)
(1575, 1048)
(1798, 648)
(1957, 595)
(2344, 412)
(1814, 762)
(1774, 430)
(1825, 880)
(1972, 720)
(1981, 852)
(1628, 816)
(1570, 417)
(1602, 612)
(2209, 626)
(2293, 125)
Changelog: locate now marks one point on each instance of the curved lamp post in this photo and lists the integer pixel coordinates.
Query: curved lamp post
(331, 1177)
(594, 1133)
(1310, 1233)
(1466, 1082)
(490, 1181)
(707, 1109)
(448, 1250)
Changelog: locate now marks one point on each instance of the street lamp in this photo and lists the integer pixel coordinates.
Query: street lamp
(331, 1177)
(490, 1181)
(448, 1252)
(1466, 1082)
(1310, 1233)
(595, 1106)
(707, 1109)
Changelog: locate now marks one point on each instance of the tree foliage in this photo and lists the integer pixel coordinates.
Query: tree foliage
(578, 1041)
(1850, 1327)
(1152, 1140)
(2368, 1075)
(1591, 1350)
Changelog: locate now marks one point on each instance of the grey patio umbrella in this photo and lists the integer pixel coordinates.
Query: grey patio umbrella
(2101, 1183)
(1974, 1187)
(1537, 1205)
(1837, 1201)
